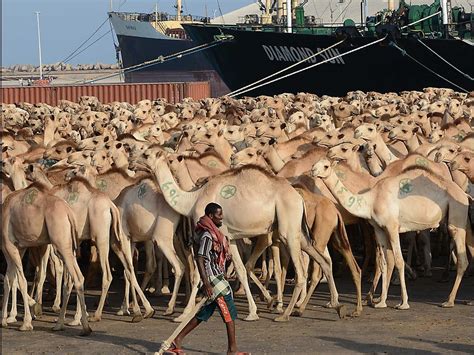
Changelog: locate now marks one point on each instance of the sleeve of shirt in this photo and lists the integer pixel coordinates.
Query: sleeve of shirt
(205, 245)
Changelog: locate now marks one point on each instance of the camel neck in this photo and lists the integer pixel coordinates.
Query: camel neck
(276, 162)
(43, 179)
(356, 204)
(184, 176)
(412, 144)
(181, 201)
(19, 180)
(383, 152)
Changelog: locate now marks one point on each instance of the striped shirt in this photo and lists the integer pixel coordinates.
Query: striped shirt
(211, 257)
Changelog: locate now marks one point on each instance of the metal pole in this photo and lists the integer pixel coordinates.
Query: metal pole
(289, 16)
(111, 5)
(178, 9)
(39, 45)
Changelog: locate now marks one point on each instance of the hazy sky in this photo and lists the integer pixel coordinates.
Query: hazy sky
(65, 24)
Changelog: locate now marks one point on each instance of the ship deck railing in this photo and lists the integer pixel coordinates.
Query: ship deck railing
(160, 16)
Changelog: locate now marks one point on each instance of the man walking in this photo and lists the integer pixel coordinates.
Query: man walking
(212, 252)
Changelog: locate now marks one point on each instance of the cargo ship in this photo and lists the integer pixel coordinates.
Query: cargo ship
(406, 48)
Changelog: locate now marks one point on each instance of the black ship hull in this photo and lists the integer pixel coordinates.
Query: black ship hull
(194, 67)
(252, 55)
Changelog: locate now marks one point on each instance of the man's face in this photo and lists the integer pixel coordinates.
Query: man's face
(217, 217)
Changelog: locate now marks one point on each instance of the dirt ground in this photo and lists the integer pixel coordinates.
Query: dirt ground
(425, 328)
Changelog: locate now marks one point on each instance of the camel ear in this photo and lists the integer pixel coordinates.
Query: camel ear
(30, 168)
(283, 125)
(180, 158)
(416, 129)
(106, 139)
(333, 163)
(220, 133)
(272, 141)
(259, 152)
(357, 148)
(340, 136)
(4, 149)
(68, 149)
(82, 169)
(118, 145)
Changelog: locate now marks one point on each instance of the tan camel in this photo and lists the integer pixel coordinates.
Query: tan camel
(96, 216)
(392, 206)
(464, 162)
(147, 217)
(236, 191)
(50, 220)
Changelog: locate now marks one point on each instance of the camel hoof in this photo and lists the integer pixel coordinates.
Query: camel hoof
(74, 323)
(402, 306)
(11, 319)
(278, 310)
(165, 290)
(251, 318)
(95, 319)
(37, 310)
(341, 311)
(239, 292)
(380, 305)
(149, 314)
(4, 323)
(85, 332)
(297, 313)
(168, 312)
(376, 300)
(56, 309)
(123, 313)
(180, 318)
(331, 305)
(26, 328)
(366, 302)
(447, 304)
(58, 327)
(282, 319)
(137, 318)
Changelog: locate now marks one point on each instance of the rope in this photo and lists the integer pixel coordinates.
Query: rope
(444, 60)
(235, 92)
(315, 65)
(420, 20)
(160, 59)
(70, 55)
(404, 53)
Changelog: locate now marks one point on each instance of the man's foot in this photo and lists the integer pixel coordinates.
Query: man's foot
(237, 353)
(174, 349)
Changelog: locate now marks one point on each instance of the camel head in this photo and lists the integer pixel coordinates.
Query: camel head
(343, 151)
(60, 150)
(331, 138)
(463, 161)
(250, 155)
(447, 153)
(322, 168)
(367, 131)
(403, 132)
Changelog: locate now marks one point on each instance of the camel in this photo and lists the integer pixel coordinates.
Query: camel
(464, 162)
(96, 216)
(50, 220)
(235, 191)
(147, 217)
(392, 206)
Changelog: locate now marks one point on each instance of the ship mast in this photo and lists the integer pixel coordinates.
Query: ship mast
(289, 16)
(178, 10)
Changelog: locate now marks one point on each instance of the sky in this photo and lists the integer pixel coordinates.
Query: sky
(65, 24)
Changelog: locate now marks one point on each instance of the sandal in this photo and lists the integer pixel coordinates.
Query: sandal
(174, 350)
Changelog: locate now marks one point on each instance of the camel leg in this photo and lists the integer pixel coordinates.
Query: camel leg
(14, 289)
(78, 280)
(394, 238)
(102, 244)
(126, 298)
(58, 266)
(127, 255)
(316, 276)
(166, 246)
(22, 284)
(305, 260)
(459, 236)
(242, 275)
(45, 252)
(424, 238)
(270, 268)
(165, 289)
(263, 242)
(382, 264)
(150, 263)
(278, 276)
(10, 275)
(294, 248)
(264, 273)
(192, 297)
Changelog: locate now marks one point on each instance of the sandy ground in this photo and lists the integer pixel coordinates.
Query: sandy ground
(425, 328)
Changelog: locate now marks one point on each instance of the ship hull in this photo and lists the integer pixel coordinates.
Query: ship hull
(139, 42)
(252, 55)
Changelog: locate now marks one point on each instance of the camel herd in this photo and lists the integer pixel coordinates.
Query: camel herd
(290, 171)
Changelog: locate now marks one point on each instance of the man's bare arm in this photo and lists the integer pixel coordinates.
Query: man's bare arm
(204, 277)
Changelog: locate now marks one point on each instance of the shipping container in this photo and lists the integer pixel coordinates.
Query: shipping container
(131, 93)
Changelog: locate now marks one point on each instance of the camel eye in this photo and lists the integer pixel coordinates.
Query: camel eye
(231, 132)
(250, 154)
(451, 150)
(404, 130)
(371, 129)
(58, 151)
(344, 150)
(467, 160)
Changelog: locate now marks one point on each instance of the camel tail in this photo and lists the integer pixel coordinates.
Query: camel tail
(72, 223)
(116, 223)
(341, 235)
(305, 228)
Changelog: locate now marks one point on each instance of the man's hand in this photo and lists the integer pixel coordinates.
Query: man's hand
(208, 290)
